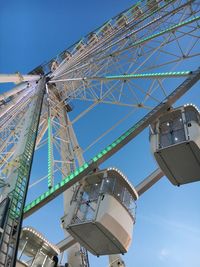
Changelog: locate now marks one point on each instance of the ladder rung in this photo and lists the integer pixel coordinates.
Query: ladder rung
(6, 251)
(8, 226)
(20, 187)
(4, 242)
(7, 233)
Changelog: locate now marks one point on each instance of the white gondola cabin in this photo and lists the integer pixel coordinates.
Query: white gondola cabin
(122, 20)
(137, 12)
(80, 46)
(66, 55)
(152, 5)
(175, 143)
(92, 38)
(106, 29)
(35, 250)
(53, 65)
(102, 213)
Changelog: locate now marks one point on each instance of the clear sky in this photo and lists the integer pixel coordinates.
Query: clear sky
(167, 230)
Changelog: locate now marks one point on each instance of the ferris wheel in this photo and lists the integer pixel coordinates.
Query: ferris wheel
(141, 62)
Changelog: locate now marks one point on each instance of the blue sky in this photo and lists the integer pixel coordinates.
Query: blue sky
(167, 230)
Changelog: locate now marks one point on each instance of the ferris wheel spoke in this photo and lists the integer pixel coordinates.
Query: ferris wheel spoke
(116, 145)
(151, 37)
(131, 76)
(95, 51)
(173, 24)
(139, 18)
(113, 93)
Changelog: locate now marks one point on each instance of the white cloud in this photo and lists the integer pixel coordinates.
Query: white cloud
(163, 254)
(175, 225)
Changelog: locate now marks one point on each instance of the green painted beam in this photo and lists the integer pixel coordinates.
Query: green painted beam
(171, 74)
(50, 178)
(97, 30)
(151, 37)
(170, 29)
(115, 146)
(156, 75)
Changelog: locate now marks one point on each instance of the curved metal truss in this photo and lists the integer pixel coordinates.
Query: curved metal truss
(134, 60)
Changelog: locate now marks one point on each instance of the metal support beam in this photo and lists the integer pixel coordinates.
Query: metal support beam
(153, 178)
(66, 243)
(171, 74)
(17, 78)
(18, 178)
(110, 150)
(17, 89)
